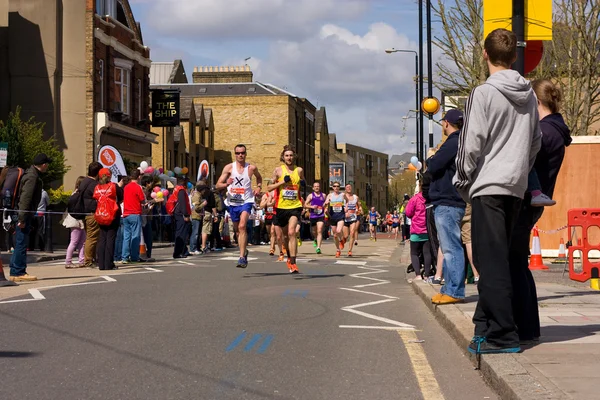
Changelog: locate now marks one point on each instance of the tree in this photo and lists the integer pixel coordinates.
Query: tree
(401, 184)
(461, 43)
(25, 140)
(571, 61)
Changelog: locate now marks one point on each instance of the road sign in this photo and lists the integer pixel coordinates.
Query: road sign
(534, 51)
(538, 18)
(3, 154)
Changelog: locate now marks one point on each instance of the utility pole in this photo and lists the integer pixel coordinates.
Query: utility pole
(420, 152)
(518, 26)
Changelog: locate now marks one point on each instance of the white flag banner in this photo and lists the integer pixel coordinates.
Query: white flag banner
(110, 158)
(203, 171)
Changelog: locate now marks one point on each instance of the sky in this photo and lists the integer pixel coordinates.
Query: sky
(329, 51)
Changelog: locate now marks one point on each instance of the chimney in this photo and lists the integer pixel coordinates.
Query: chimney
(222, 74)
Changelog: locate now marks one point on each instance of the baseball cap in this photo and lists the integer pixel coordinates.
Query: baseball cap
(41, 159)
(104, 172)
(453, 116)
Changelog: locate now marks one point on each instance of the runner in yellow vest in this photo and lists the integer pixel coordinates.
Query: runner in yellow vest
(287, 180)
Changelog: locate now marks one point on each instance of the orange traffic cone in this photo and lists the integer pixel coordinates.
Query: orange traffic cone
(562, 253)
(535, 260)
(142, 245)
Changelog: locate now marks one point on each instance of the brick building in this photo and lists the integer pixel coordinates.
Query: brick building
(262, 116)
(322, 149)
(87, 68)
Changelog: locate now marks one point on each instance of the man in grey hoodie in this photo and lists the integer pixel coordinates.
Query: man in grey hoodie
(497, 149)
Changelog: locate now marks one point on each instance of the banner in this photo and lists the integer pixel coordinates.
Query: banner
(203, 171)
(337, 173)
(165, 107)
(110, 158)
(538, 18)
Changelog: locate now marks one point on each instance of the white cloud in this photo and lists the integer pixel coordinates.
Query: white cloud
(223, 20)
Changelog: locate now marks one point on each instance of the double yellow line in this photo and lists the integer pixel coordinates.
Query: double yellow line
(430, 389)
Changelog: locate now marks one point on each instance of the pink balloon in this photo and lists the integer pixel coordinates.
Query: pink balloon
(156, 189)
(153, 195)
(165, 192)
(149, 170)
(161, 170)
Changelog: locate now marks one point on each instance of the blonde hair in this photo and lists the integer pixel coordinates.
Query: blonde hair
(547, 93)
(104, 180)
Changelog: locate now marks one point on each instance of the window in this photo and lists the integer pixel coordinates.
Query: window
(139, 99)
(122, 85)
(106, 7)
(101, 74)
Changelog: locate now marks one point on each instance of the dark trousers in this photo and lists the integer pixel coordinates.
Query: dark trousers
(181, 236)
(525, 303)
(215, 237)
(434, 243)
(493, 220)
(148, 238)
(106, 244)
(416, 249)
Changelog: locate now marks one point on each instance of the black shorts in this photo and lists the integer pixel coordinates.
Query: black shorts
(314, 221)
(269, 221)
(282, 215)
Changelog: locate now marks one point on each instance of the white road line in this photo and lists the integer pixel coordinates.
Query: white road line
(185, 262)
(384, 328)
(371, 303)
(235, 258)
(36, 294)
(373, 293)
(342, 262)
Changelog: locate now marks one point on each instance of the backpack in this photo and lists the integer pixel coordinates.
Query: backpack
(107, 207)
(75, 205)
(172, 201)
(10, 181)
(219, 205)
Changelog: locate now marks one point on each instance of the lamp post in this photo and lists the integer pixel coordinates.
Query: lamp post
(418, 99)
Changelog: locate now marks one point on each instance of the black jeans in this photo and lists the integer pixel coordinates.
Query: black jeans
(525, 303)
(181, 236)
(416, 249)
(434, 243)
(493, 220)
(105, 251)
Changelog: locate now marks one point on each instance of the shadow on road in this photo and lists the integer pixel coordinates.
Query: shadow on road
(17, 354)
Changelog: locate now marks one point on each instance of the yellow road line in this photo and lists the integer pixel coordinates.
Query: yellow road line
(425, 376)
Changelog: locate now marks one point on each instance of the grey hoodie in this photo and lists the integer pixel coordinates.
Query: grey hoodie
(500, 138)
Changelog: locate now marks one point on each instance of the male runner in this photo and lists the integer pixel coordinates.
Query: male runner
(315, 203)
(287, 180)
(268, 203)
(351, 221)
(373, 217)
(237, 179)
(336, 201)
(388, 222)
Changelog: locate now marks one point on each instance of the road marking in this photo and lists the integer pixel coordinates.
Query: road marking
(296, 293)
(254, 340)
(387, 328)
(342, 262)
(236, 342)
(352, 309)
(236, 258)
(265, 344)
(185, 262)
(429, 386)
(373, 293)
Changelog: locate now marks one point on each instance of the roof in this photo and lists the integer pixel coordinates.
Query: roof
(160, 72)
(207, 115)
(218, 89)
(332, 140)
(185, 107)
(319, 118)
(396, 159)
(198, 107)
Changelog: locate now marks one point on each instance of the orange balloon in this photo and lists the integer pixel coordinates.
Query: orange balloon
(184, 170)
(412, 167)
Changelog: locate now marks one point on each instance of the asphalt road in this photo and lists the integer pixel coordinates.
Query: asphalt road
(203, 329)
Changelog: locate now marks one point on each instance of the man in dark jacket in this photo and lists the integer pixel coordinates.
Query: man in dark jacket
(449, 209)
(92, 229)
(30, 194)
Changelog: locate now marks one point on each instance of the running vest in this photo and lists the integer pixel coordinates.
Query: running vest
(240, 191)
(373, 217)
(351, 208)
(317, 200)
(269, 213)
(395, 219)
(287, 196)
(336, 206)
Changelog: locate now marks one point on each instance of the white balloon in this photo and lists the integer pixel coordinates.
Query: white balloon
(143, 165)
(419, 165)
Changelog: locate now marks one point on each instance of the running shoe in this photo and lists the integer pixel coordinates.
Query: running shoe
(299, 241)
(318, 250)
(242, 262)
(246, 253)
(315, 244)
(342, 243)
(280, 258)
(271, 252)
(349, 254)
(293, 269)
(356, 242)
(338, 254)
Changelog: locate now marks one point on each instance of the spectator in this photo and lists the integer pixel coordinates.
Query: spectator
(218, 224)
(92, 229)
(181, 215)
(133, 199)
(77, 235)
(449, 210)
(119, 241)
(37, 238)
(209, 215)
(197, 216)
(147, 211)
(419, 240)
(30, 194)
(112, 194)
(497, 150)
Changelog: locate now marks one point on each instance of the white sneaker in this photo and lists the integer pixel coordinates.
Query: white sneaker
(542, 201)
(195, 253)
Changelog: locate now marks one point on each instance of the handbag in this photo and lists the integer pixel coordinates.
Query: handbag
(69, 222)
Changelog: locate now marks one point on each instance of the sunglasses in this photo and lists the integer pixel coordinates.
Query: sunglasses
(336, 186)
(239, 153)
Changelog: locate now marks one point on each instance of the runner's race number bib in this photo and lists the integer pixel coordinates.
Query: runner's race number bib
(337, 206)
(236, 195)
(318, 211)
(290, 193)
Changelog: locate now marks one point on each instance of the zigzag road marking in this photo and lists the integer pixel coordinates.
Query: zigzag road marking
(37, 295)
(392, 324)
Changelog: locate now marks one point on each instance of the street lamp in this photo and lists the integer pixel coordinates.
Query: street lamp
(418, 99)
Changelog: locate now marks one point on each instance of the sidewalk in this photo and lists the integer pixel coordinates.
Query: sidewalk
(564, 365)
